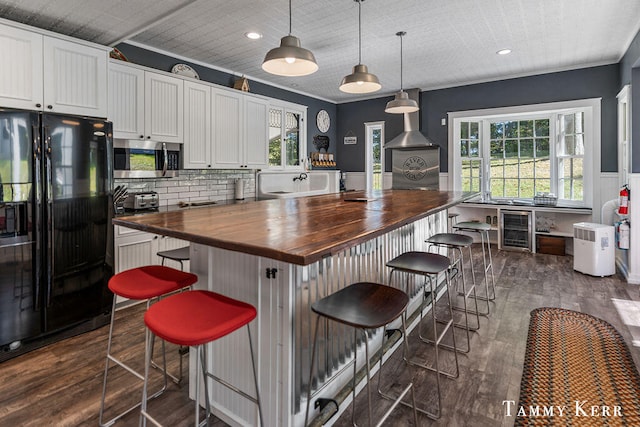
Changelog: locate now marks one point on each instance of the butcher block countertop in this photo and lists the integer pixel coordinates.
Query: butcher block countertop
(297, 230)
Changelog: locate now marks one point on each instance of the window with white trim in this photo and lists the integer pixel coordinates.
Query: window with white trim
(519, 152)
(286, 137)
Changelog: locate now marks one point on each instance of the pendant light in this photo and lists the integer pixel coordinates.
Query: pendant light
(290, 59)
(360, 80)
(401, 103)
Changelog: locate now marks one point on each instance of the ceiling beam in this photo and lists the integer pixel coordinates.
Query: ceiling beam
(151, 23)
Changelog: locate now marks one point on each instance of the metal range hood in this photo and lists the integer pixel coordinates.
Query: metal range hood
(411, 137)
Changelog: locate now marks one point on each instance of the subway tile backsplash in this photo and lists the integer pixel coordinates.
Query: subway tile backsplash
(195, 185)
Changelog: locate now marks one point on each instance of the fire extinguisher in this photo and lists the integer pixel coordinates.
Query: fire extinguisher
(623, 232)
(624, 200)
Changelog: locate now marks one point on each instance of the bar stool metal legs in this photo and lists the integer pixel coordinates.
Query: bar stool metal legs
(142, 283)
(196, 318)
(483, 230)
(179, 255)
(430, 265)
(363, 306)
(116, 361)
(454, 244)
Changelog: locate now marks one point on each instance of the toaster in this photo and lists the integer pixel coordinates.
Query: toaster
(141, 201)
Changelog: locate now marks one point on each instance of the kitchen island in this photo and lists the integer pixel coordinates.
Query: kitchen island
(281, 255)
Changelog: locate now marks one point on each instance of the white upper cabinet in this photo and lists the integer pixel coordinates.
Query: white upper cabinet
(240, 132)
(51, 74)
(227, 129)
(126, 101)
(75, 78)
(164, 107)
(256, 148)
(145, 105)
(197, 126)
(21, 77)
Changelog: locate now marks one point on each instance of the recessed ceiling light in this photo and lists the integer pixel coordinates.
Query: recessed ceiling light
(253, 35)
(504, 52)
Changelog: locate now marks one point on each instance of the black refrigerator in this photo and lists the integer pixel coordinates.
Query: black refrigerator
(56, 237)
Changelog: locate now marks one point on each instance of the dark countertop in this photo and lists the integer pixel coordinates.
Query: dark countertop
(521, 203)
(299, 230)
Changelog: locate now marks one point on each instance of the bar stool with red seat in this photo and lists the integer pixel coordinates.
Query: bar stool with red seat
(142, 283)
(196, 318)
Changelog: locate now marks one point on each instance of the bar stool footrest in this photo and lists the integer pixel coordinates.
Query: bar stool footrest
(431, 415)
(429, 368)
(323, 402)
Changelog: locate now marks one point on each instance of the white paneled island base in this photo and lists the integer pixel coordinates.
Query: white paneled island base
(282, 333)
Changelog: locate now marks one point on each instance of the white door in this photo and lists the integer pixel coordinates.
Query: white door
(126, 101)
(75, 78)
(197, 126)
(21, 69)
(374, 166)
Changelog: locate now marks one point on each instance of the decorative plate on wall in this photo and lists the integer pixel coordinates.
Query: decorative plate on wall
(185, 70)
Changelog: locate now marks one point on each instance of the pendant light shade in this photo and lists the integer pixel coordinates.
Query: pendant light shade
(401, 102)
(360, 80)
(290, 58)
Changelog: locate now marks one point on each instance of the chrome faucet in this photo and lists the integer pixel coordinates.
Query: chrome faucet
(300, 177)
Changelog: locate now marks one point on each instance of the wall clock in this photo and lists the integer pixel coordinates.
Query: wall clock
(323, 121)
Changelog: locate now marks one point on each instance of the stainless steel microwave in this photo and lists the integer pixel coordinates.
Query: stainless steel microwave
(145, 159)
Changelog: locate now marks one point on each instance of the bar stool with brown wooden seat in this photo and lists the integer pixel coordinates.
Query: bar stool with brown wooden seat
(142, 283)
(430, 265)
(454, 243)
(195, 319)
(364, 306)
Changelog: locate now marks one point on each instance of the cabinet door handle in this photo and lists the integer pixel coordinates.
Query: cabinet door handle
(141, 136)
(38, 105)
(50, 107)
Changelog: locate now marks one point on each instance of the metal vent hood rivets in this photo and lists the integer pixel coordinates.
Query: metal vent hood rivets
(411, 137)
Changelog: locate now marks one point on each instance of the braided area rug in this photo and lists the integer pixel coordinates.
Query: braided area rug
(577, 372)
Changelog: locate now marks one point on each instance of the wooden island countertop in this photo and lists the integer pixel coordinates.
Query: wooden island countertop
(297, 230)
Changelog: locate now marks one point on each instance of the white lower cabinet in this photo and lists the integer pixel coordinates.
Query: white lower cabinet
(510, 224)
(134, 248)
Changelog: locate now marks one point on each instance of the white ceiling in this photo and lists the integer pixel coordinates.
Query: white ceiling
(448, 43)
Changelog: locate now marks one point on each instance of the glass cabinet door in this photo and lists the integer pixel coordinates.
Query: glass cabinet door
(275, 137)
(286, 143)
(292, 138)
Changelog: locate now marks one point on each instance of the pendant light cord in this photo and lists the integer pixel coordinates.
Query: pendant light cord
(359, 32)
(289, 17)
(401, 72)
(401, 34)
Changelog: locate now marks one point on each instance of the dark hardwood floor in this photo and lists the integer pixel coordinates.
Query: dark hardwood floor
(61, 384)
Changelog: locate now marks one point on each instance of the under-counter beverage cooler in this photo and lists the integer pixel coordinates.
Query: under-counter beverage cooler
(516, 232)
